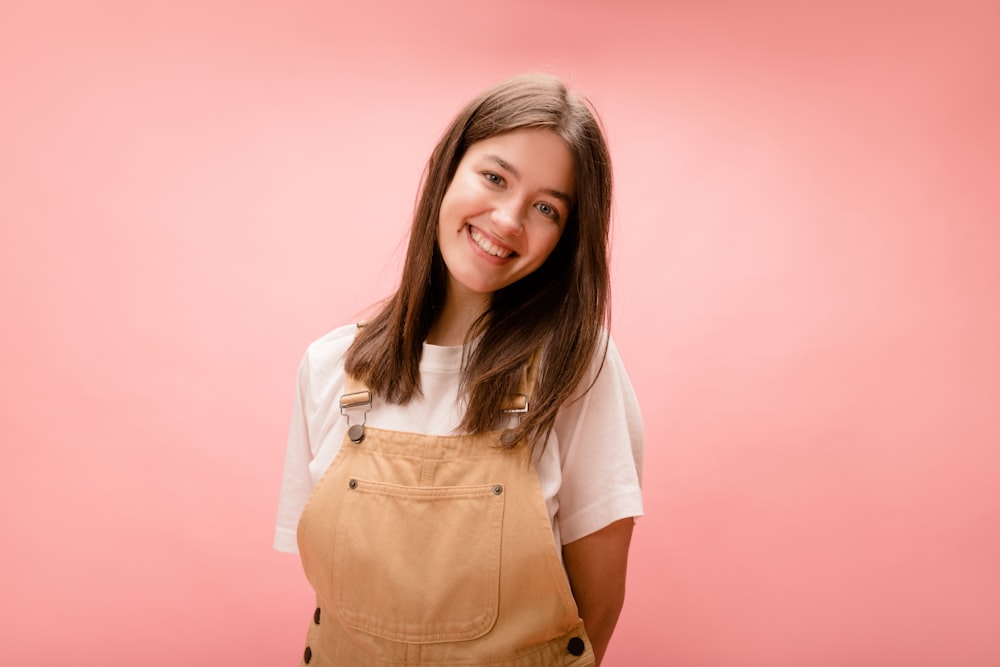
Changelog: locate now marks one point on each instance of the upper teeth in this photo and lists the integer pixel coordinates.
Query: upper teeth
(488, 246)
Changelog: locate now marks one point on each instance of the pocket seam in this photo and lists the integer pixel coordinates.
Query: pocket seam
(488, 527)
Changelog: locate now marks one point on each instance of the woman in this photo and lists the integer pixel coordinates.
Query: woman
(462, 472)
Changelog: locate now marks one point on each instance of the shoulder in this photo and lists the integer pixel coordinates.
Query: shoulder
(613, 366)
(607, 368)
(323, 362)
(332, 345)
(599, 449)
(605, 399)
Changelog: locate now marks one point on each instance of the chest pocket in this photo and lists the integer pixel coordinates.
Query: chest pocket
(419, 564)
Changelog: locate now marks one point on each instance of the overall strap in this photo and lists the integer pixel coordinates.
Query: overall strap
(518, 403)
(356, 393)
(358, 396)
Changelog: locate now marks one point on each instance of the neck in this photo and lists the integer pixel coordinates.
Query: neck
(461, 309)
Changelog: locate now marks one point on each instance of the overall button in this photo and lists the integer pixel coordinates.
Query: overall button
(308, 655)
(575, 646)
(316, 616)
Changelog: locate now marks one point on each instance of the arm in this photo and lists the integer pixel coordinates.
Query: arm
(596, 566)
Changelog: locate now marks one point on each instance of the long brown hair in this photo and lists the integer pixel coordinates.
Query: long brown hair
(560, 310)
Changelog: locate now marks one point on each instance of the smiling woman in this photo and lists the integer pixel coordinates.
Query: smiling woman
(462, 473)
(501, 218)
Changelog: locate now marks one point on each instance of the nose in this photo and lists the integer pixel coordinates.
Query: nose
(507, 217)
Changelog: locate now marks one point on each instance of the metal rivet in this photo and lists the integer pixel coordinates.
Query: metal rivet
(497, 490)
(576, 646)
(356, 433)
(353, 484)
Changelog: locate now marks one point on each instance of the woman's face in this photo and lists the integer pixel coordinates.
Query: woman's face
(505, 209)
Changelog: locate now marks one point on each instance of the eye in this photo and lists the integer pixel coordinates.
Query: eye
(495, 179)
(547, 210)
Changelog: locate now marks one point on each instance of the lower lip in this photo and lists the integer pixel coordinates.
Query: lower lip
(492, 259)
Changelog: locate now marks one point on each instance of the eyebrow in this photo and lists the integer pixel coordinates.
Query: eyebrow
(503, 164)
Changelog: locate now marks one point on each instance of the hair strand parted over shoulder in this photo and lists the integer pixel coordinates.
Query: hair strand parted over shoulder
(561, 309)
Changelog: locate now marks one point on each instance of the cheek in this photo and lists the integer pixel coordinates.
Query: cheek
(453, 206)
(547, 244)
(448, 217)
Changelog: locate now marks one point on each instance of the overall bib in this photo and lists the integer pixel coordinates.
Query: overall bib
(435, 550)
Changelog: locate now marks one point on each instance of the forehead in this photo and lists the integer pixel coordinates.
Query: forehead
(538, 157)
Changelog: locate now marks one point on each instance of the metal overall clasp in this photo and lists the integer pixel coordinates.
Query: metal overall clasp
(350, 404)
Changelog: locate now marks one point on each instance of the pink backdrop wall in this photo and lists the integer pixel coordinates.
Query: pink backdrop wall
(806, 293)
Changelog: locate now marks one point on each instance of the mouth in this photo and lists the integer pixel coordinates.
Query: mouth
(488, 246)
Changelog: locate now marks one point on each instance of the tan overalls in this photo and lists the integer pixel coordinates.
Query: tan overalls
(435, 550)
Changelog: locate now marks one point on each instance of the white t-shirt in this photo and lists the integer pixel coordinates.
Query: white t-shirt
(590, 469)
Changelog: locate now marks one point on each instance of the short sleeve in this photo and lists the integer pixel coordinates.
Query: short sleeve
(296, 483)
(601, 450)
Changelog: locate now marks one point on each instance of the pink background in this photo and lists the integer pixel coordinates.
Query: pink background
(807, 295)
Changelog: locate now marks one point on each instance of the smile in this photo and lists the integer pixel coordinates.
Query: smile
(488, 246)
